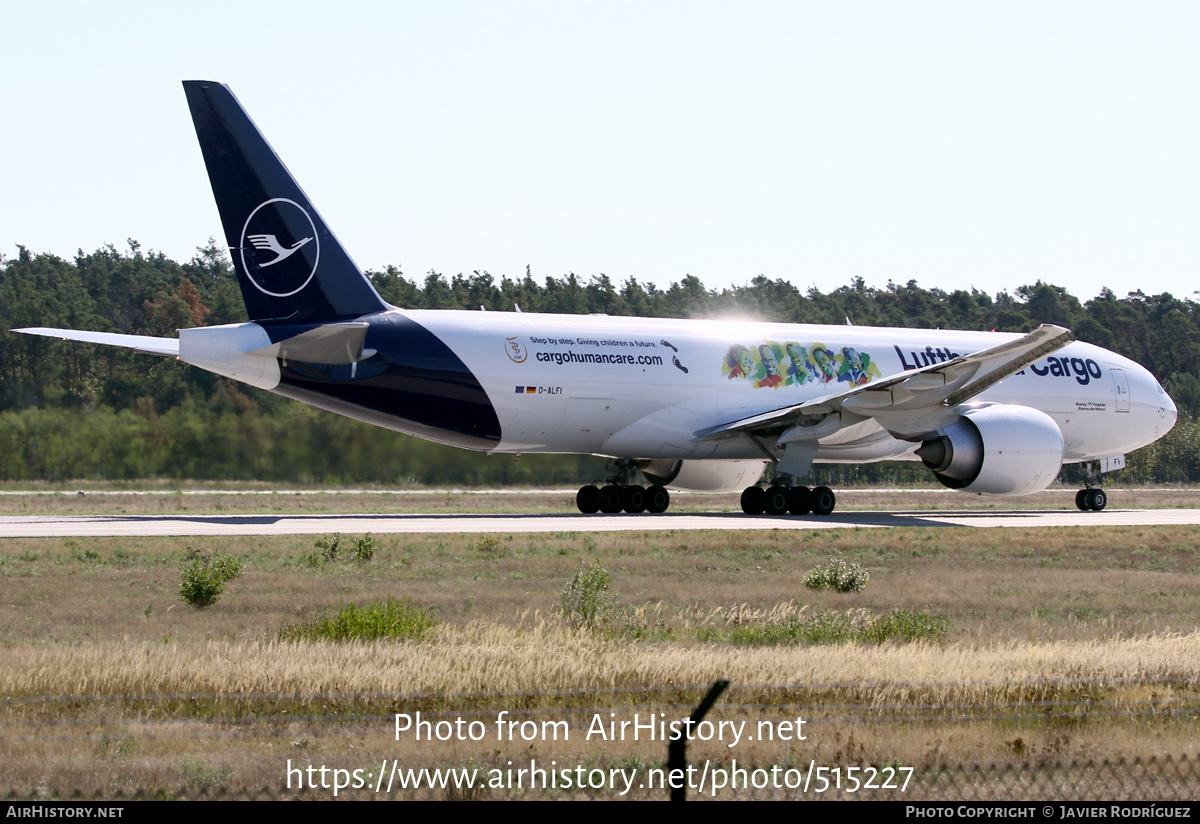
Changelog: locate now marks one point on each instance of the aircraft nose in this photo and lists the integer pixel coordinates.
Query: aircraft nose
(1157, 404)
(1168, 411)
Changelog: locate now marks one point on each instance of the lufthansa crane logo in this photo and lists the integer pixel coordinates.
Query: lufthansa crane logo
(279, 247)
(271, 243)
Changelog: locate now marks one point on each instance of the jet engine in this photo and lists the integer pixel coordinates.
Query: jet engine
(1000, 449)
(704, 476)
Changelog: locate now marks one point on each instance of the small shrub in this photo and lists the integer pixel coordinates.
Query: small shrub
(587, 602)
(907, 625)
(204, 577)
(487, 543)
(844, 576)
(330, 546)
(811, 626)
(364, 548)
(395, 620)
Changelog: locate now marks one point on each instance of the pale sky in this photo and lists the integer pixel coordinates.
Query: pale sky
(957, 144)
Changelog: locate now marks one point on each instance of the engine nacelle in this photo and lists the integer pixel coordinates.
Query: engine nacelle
(1000, 449)
(704, 476)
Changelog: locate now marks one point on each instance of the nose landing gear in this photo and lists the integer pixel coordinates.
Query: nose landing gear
(1093, 498)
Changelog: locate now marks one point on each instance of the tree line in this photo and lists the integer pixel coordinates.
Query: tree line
(72, 410)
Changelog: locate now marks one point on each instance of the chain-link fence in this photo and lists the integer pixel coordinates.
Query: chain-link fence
(276, 746)
(1152, 780)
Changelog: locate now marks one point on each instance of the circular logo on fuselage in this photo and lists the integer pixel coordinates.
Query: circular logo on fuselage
(279, 247)
(515, 350)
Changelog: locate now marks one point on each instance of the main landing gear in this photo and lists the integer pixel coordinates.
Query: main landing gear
(633, 499)
(779, 500)
(619, 494)
(1093, 498)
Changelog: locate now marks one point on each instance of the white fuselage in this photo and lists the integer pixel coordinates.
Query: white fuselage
(644, 388)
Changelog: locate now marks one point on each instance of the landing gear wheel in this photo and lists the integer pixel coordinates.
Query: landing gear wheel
(823, 500)
(588, 500)
(610, 499)
(1081, 502)
(775, 500)
(1096, 499)
(657, 499)
(752, 500)
(799, 500)
(633, 499)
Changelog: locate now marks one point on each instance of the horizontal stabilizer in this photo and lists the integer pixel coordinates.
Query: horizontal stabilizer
(332, 344)
(139, 343)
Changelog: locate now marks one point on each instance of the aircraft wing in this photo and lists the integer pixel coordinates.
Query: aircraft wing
(139, 343)
(905, 397)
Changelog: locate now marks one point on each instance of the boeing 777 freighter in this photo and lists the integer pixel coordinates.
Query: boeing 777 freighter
(697, 405)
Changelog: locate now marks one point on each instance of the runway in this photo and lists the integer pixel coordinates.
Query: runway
(52, 526)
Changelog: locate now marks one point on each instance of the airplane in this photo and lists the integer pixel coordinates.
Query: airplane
(692, 405)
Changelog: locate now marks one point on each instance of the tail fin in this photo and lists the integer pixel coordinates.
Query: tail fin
(288, 262)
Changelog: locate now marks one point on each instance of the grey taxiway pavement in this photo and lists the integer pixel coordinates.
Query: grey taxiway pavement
(49, 526)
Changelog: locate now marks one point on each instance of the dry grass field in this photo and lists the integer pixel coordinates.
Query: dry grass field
(1062, 644)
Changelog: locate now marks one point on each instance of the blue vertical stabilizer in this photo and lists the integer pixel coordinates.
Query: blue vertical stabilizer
(288, 262)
